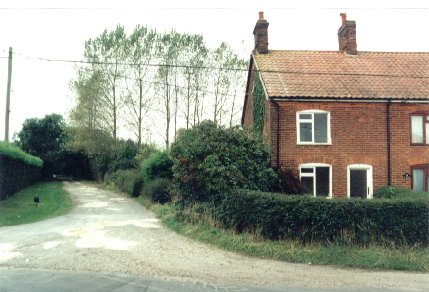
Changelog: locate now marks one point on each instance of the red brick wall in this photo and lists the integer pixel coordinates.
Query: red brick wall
(403, 154)
(358, 132)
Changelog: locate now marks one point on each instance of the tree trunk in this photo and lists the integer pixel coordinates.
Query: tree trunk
(139, 140)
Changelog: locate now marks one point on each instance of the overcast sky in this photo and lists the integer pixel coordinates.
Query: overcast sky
(58, 30)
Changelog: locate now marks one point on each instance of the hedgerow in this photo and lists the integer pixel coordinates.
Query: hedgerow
(307, 219)
(128, 181)
(16, 153)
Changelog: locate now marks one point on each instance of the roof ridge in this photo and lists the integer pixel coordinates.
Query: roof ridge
(339, 52)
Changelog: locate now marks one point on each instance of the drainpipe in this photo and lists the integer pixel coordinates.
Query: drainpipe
(278, 135)
(389, 169)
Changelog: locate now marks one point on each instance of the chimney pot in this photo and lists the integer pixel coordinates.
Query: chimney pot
(343, 18)
(260, 33)
(347, 36)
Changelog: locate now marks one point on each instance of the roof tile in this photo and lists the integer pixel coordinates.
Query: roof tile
(334, 74)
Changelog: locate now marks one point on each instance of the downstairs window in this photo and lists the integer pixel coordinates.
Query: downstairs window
(316, 179)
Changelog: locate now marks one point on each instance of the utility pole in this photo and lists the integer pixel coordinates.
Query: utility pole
(9, 78)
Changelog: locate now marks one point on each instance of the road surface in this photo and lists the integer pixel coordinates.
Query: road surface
(112, 234)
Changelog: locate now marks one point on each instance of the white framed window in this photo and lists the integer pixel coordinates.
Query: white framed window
(313, 127)
(359, 181)
(420, 175)
(316, 179)
(419, 129)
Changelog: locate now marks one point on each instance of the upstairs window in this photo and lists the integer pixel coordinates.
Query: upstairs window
(313, 127)
(420, 129)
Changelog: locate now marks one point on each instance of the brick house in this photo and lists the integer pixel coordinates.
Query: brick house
(345, 122)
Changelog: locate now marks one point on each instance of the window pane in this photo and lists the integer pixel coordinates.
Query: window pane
(307, 170)
(305, 116)
(427, 133)
(321, 128)
(417, 129)
(358, 183)
(305, 132)
(307, 185)
(418, 180)
(322, 181)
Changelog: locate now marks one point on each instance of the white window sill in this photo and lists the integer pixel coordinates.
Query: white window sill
(314, 144)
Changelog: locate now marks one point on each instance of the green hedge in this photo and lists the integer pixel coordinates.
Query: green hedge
(15, 175)
(157, 165)
(16, 153)
(127, 181)
(158, 190)
(307, 219)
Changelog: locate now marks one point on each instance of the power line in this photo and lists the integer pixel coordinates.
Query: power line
(221, 68)
(211, 8)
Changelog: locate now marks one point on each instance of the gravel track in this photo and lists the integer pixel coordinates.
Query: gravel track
(111, 233)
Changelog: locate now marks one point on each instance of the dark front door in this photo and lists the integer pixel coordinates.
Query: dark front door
(358, 183)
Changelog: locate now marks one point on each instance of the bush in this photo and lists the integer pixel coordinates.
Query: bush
(391, 192)
(125, 156)
(358, 222)
(157, 165)
(127, 181)
(158, 190)
(210, 160)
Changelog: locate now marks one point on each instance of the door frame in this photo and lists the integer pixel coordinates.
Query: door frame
(369, 172)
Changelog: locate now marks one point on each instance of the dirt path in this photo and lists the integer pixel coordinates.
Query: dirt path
(108, 232)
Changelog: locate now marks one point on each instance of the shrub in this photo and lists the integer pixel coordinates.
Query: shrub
(128, 181)
(391, 192)
(359, 222)
(210, 160)
(158, 190)
(157, 165)
(125, 156)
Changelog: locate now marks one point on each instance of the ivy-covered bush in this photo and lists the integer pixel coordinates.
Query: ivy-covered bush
(210, 160)
(157, 165)
(357, 222)
(158, 190)
(127, 181)
(258, 105)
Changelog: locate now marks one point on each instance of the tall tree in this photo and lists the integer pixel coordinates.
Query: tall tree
(107, 55)
(141, 51)
(167, 54)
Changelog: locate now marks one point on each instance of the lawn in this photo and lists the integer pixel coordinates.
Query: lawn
(372, 257)
(20, 208)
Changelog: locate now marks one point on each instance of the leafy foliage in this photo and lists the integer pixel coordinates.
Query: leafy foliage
(125, 156)
(391, 192)
(44, 138)
(16, 153)
(258, 105)
(158, 190)
(358, 222)
(210, 160)
(128, 181)
(157, 165)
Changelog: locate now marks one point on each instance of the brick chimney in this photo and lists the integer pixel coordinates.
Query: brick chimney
(347, 35)
(261, 35)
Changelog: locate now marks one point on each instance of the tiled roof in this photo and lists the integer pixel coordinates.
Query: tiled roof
(334, 74)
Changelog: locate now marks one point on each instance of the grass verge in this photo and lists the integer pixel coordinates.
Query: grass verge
(373, 257)
(20, 208)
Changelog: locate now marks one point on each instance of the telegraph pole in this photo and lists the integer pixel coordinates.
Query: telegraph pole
(9, 78)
